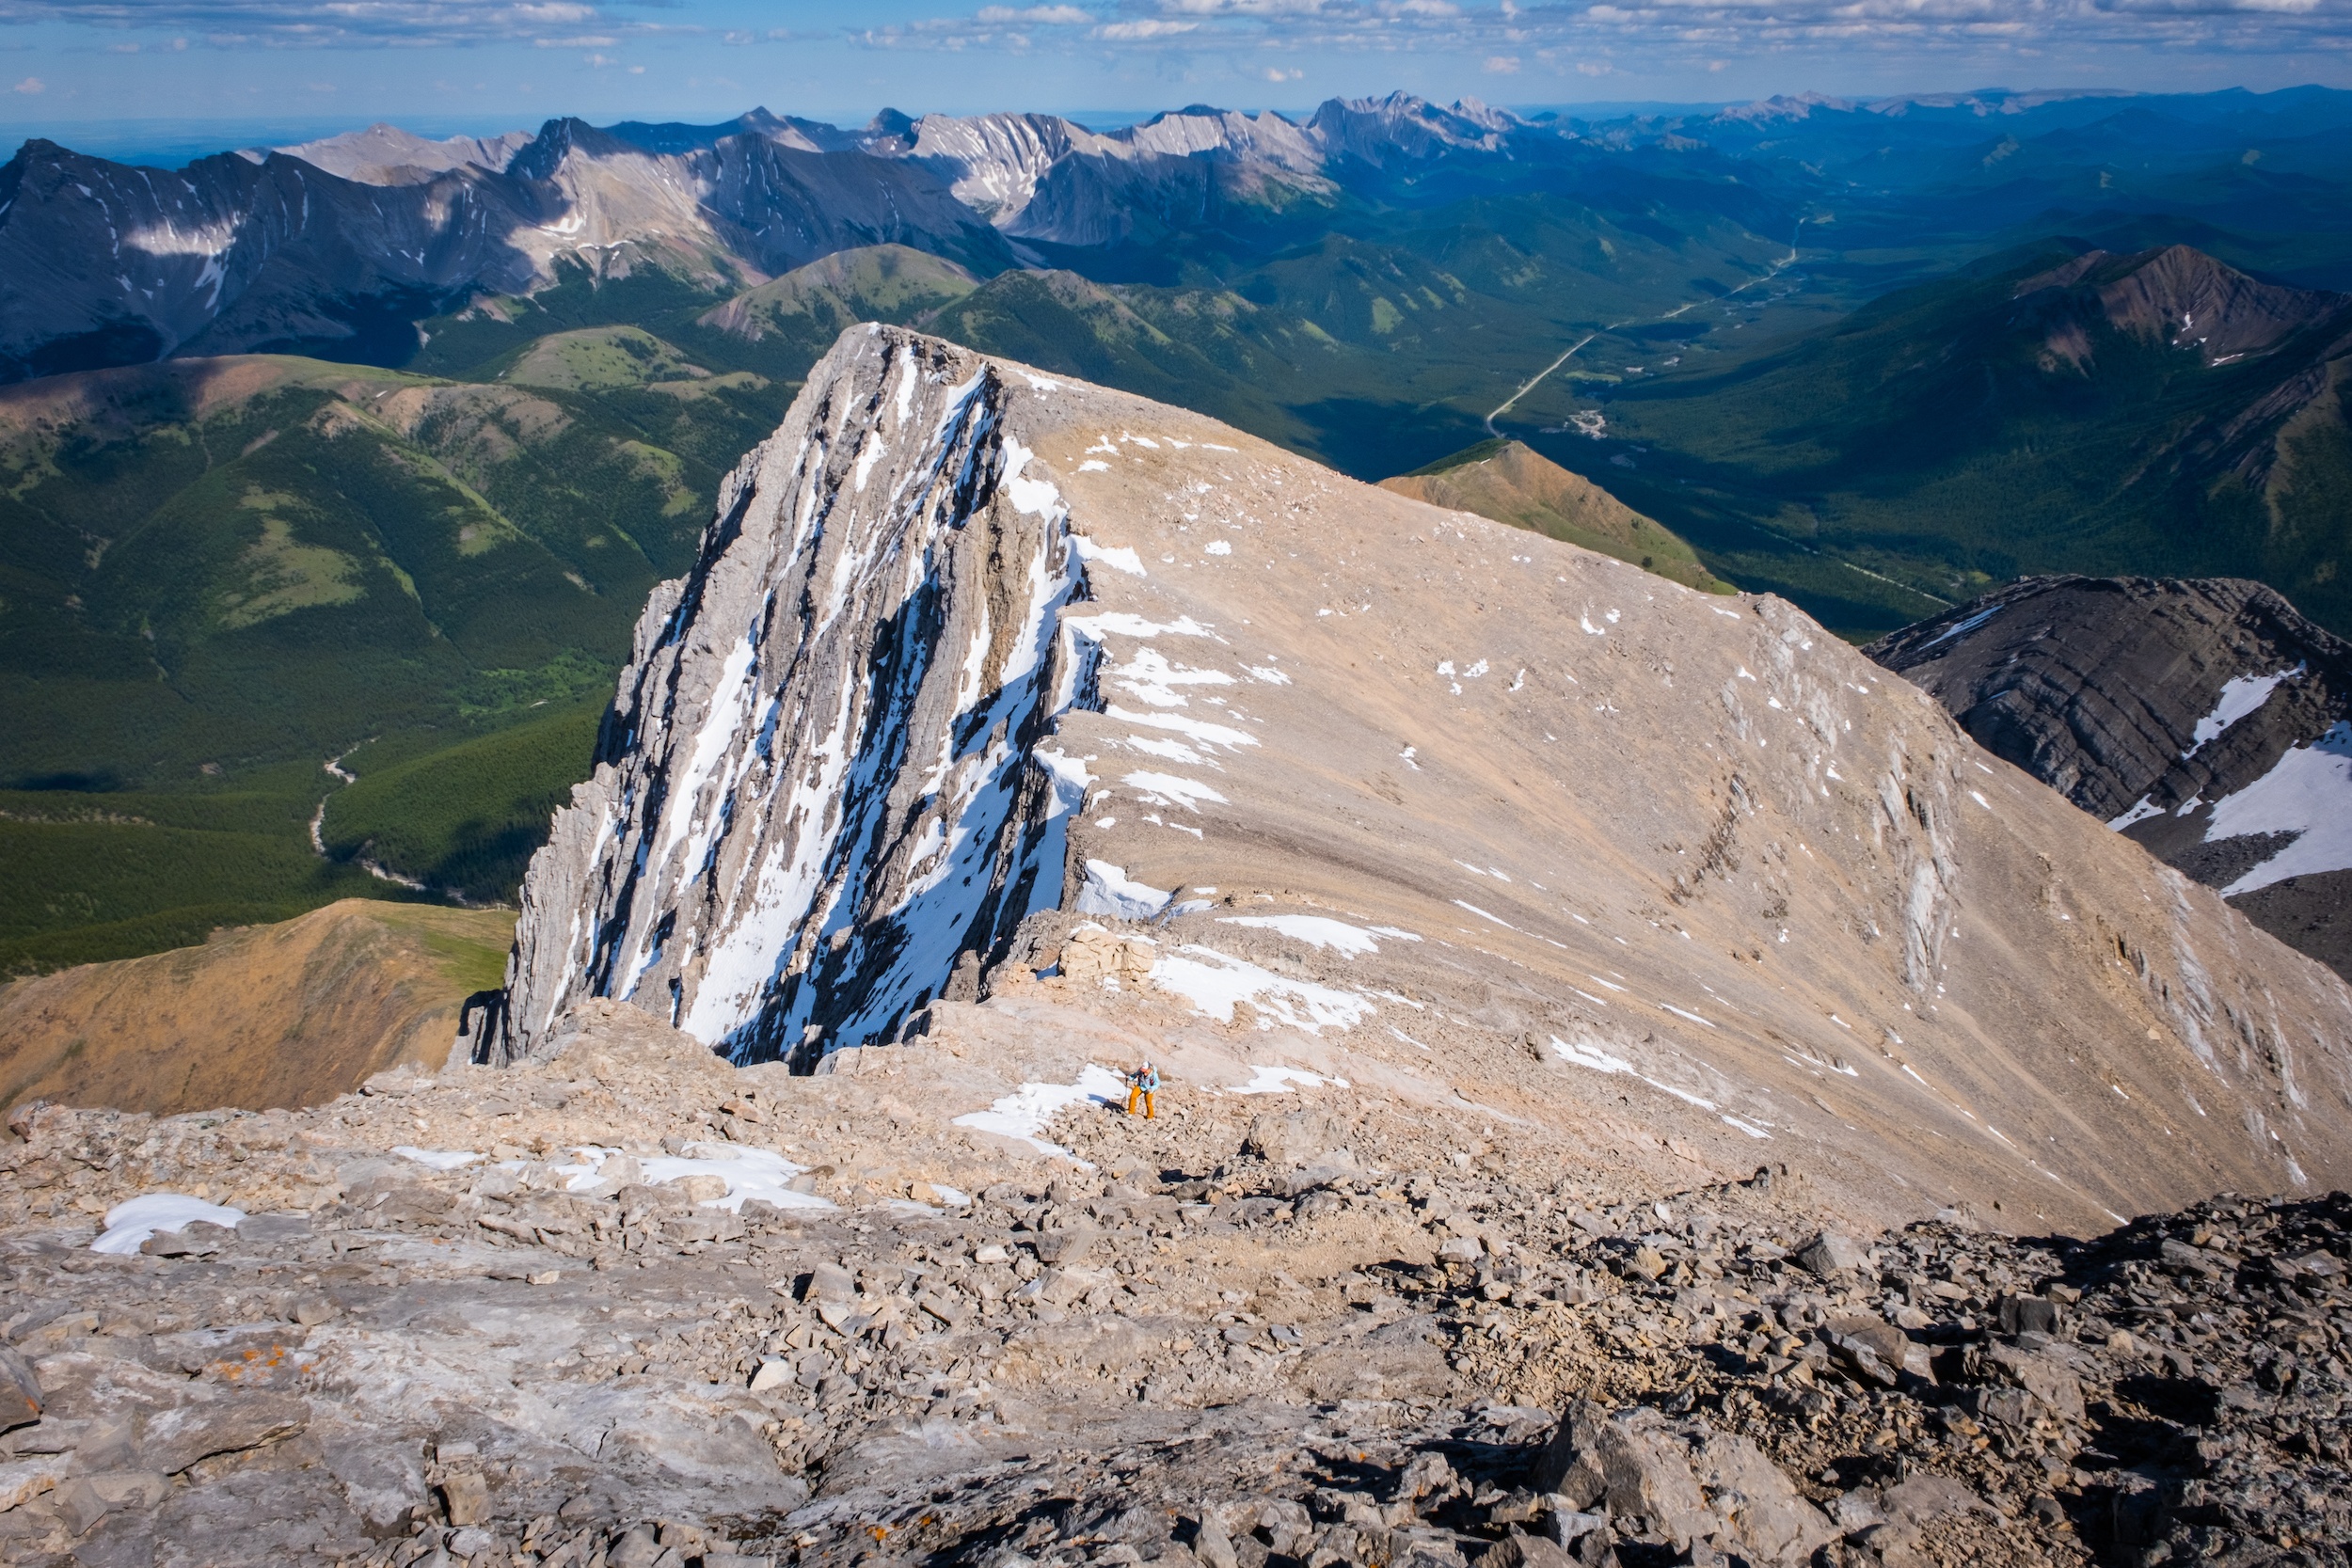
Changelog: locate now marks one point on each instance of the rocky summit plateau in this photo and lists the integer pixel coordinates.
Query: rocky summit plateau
(1638, 1084)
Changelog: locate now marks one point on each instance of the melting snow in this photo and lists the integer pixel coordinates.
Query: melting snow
(1483, 915)
(749, 1173)
(1218, 546)
(1586, 1054)
(2140, 812)
(1108, 890)
(1121, 622)
(1174, 751)
(1152, 677)
(1094, 465)
(1320, 931)
(1961, 628)
(1213, 983)
(1283, 1079)
(1198, 730)
(2309, 793)
(129, 1224)
(2240, 696)
(440, 1159)
(1161, 789)
(1122, 557)
(1030, 1109)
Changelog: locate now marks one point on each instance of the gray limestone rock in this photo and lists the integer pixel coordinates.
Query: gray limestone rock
(820, 786)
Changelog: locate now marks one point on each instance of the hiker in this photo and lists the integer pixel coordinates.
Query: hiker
(1142, 1085)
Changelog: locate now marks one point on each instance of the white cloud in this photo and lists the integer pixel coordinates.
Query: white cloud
(295, 23)
(30, 84)
(1124, 31)
(1501, 65)
(1043, 16)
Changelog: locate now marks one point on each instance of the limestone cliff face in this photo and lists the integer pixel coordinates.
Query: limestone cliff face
(817, 786)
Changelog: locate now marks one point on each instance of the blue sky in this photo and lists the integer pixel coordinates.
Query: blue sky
(485, 64)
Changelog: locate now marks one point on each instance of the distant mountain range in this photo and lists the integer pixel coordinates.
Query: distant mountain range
(338, 243)
(2061, 408)
(322, 243)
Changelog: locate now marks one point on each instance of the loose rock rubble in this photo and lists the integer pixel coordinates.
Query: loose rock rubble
(1280, 1331)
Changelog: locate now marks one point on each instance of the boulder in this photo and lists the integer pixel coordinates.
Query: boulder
(1831, 1253)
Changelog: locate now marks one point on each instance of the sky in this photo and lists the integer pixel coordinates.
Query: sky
(482, 65)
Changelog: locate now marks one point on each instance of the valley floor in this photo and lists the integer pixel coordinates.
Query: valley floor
(634, 1307)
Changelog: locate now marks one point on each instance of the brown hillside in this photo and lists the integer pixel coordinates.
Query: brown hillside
(291, 1014)
(1506, 482)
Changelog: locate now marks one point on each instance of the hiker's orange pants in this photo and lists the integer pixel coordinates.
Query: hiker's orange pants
(1135, 1092)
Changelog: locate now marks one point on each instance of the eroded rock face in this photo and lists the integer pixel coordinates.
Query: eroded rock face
(2204, 718)
(822, 781)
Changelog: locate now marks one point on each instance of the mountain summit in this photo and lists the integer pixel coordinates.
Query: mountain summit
(982, 670)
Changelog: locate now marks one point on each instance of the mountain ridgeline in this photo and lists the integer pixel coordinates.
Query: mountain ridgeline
(953, 697)
(1509, 482)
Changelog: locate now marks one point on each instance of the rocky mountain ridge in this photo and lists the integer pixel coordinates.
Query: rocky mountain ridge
(957, 615)
(2204, 718)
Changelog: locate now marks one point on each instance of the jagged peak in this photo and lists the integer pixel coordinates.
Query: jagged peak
(2180, 294)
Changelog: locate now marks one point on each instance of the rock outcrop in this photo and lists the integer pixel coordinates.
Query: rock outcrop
(2204, 718)
(823, 780)
(1382, 791)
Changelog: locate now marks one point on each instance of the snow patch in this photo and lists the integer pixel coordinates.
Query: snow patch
(2241, 695)
(749, 1173)
(1320, 931)
(1120, 558)
(440, 1159)
(1161, 789)
(129, 1223)
(1214, 982)
(1963, 627)
(1108, 890)
(1029, 1110)
(2309, 793)
(1283, 1079)
(2141, 810)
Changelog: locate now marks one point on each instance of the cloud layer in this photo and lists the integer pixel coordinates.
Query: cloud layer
(1502, 34)
(1506, 36)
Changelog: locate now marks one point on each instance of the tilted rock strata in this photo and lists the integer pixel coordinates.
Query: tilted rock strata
(1258, 1331)
(820, 784)
(1406, 790)
(2198, 716)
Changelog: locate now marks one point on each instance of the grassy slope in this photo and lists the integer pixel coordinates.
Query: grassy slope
(1511, 483)
(286, 1014)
